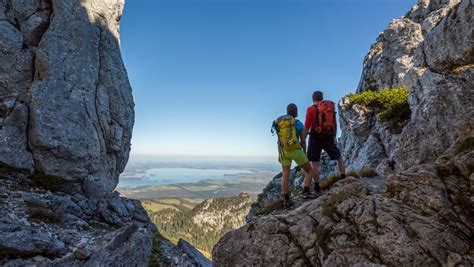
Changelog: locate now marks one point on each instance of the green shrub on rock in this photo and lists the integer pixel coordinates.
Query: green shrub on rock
(390, 104)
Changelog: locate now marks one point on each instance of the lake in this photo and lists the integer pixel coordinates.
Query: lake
(163, 176)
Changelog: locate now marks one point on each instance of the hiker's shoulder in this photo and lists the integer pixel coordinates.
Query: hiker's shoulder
(311, 108)
(283, 117)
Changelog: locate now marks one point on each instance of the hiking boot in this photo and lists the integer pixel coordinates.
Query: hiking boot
(287, 203)
(308, 195)
(317, 188)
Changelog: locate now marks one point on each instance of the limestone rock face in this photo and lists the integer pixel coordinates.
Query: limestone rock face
(441, 86)
(409, 223)
(430, 52)
(62, 68)
(66, 118)
(216, 218)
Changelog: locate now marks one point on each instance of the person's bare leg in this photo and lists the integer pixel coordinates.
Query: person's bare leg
(316, 171)
(341, 167)
(284, 179)
(309, 174)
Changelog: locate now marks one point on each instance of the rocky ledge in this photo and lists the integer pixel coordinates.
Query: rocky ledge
(49, 228)
(429, 51)
(424, 217)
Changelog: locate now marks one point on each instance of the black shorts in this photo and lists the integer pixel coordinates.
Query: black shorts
(317, 144)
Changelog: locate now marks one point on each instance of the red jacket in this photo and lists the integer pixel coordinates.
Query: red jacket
(311, 115)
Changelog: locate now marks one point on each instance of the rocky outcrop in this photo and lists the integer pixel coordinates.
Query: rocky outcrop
(422, 217)
(430, 52)
(183, 254)
(66, 103)
(40, 226)
(272, 193)
(418, 213)
(66, 118)
(222, 214)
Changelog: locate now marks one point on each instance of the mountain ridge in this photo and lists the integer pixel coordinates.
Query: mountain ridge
(204, 224)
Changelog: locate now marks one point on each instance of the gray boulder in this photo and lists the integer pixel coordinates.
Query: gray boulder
(24, 243)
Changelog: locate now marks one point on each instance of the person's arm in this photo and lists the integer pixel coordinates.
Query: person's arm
(304, 134)
(307, 125)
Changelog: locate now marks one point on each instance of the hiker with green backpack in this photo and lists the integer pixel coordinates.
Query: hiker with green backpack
(291, 147)
(321, 125)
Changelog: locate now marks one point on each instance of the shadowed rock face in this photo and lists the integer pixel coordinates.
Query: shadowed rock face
(421, 213)
(430, 52)
(67, 105)
(66, 118)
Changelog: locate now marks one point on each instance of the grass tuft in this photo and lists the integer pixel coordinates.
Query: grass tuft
(329, 181)
(368, 172)
(276, 205)
(460, 69)
(466, 145)
(353, 174)
(391, 104)
(329, 207)
(156, 250)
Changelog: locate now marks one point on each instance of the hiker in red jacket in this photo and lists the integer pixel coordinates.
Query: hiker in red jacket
(321, 125)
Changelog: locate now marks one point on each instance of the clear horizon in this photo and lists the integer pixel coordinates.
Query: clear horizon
(191, 158)
(209, 76)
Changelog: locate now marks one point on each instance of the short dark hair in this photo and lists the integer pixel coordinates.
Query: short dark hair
(292, 110)
(318, 96)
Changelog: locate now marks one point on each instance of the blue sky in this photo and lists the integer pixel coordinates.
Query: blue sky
(209, 76)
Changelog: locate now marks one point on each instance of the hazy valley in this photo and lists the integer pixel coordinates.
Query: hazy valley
(198, 211)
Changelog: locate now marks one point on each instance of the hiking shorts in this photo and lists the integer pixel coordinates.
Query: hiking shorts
(316, 146)
(297, 155)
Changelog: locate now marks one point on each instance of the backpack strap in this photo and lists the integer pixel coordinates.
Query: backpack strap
(274, 128)
(319, 119)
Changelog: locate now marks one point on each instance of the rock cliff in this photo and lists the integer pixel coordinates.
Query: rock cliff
(430, 52)
(66, 103)
(66, 118)
(420, 210)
